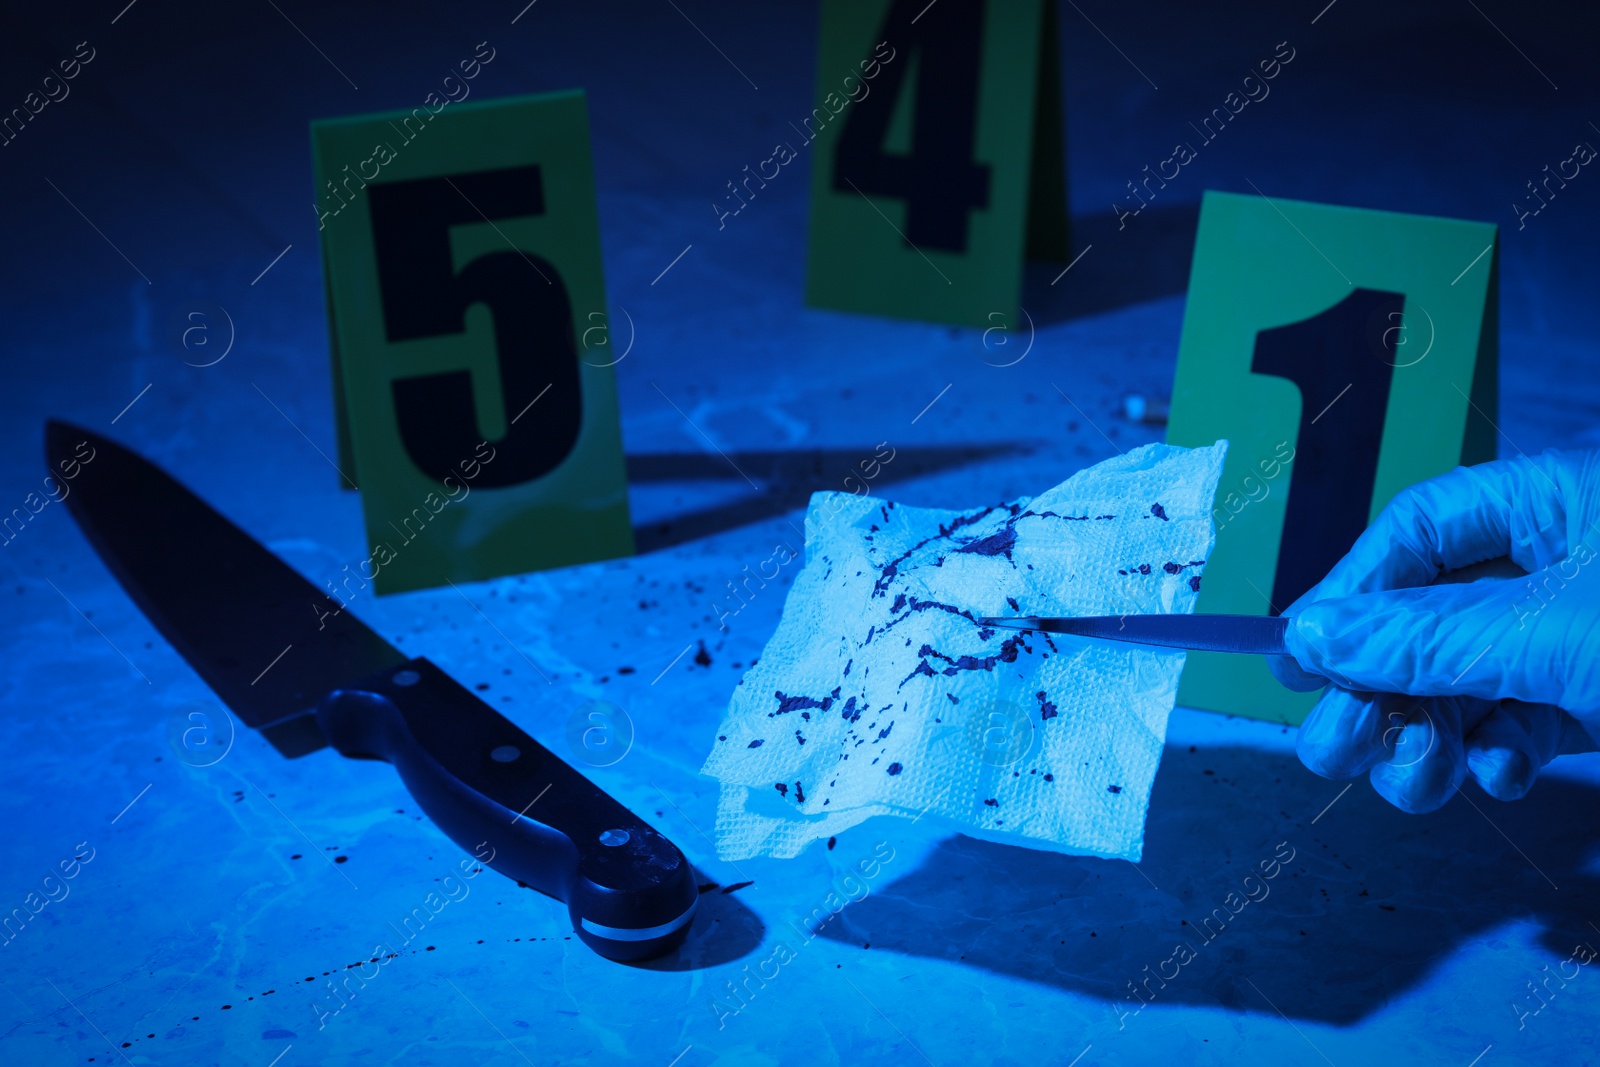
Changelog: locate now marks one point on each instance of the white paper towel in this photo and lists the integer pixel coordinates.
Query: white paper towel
(880, 694)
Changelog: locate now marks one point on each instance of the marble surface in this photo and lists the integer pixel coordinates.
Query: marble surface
(219, 903)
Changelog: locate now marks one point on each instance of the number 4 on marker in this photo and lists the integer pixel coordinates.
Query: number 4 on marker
(939, 181)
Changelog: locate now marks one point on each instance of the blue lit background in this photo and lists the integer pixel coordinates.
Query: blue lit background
(178, 168)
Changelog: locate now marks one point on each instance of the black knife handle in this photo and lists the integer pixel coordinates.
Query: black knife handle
(504, 797)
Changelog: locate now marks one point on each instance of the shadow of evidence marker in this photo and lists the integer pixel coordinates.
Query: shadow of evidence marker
(786, 479)
(1146, 259)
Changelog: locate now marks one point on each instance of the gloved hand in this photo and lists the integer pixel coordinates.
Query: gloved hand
(1495, 676)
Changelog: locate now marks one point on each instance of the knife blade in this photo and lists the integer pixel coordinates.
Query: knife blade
(267, 643)
(1259, 634)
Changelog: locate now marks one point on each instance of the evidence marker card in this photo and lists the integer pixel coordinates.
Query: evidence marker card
(937, 157)
(461, 248)
(1346, 354)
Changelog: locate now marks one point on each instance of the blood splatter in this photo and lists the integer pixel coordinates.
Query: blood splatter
(1047, 710)
(787, 704)
(892, 569)
(997, 544)
(1007, 654)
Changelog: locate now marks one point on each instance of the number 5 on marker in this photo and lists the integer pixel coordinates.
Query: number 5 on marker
(457, 267)
(1345, 354)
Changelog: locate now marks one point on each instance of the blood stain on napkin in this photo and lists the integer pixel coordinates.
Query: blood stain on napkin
(880, 692)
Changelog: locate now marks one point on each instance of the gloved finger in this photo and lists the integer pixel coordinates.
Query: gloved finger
(1475, 640)
(1510, 747)
(1346, 734)
(1304, 677)
(1513, 507)
(1291, 675)
(1429, 761)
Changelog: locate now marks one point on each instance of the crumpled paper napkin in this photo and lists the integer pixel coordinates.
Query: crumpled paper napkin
(879, 693)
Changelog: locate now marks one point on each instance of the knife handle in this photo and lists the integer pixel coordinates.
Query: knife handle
(518, 808)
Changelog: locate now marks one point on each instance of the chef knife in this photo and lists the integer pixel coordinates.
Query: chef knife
(264, 639)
